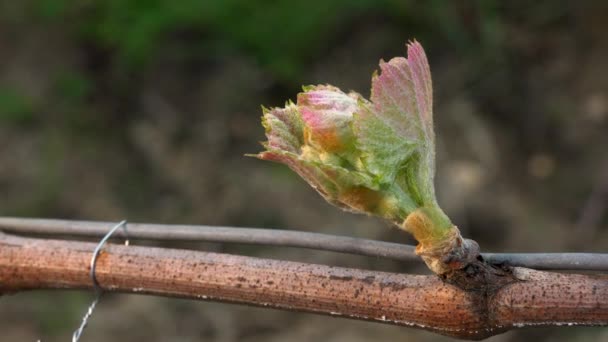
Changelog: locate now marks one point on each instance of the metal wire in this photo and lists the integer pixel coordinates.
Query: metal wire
(96, 287)
(285, 238)
(254, 236)
(85, 318)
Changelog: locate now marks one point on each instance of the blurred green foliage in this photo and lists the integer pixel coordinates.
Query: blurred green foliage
(15, 107)
(282, 35)
(72, 87)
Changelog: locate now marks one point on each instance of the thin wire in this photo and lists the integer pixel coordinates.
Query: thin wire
(254, 236)
(96, 287)
(85, 318)
(283, 238)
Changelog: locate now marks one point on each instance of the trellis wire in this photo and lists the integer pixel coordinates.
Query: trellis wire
(288, 238)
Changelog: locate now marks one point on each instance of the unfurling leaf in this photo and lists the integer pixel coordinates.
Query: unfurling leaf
(397, 126)
(375, 157)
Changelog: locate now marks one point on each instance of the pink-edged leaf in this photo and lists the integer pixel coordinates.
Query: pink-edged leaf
(284, 128)
(366, 156)
(423, 85)
(397, 128)
(327, 113)
(375, 157)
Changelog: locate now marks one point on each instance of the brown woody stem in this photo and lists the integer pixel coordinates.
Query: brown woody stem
(535, 298)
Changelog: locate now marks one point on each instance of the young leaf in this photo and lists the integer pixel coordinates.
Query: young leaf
(375, 157)
(398, 126)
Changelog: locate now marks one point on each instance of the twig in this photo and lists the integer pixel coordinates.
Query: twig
(286, 238)
(540, 298)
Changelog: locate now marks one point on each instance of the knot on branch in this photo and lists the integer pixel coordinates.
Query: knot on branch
(450, 253)
(458, 262)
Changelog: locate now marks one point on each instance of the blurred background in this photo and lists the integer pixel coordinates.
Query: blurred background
(142, 110)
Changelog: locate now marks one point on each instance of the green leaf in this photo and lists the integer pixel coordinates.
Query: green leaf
(395, 130)
(284, 128)
(370, 157)
(375, 157)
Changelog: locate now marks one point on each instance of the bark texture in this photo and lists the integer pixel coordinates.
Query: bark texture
(531, 298)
